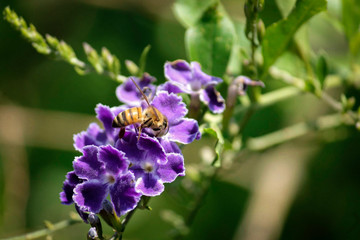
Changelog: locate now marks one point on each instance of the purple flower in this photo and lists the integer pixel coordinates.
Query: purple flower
(66, 196)
(130, 167)
(190, 79)
(150, 164)
(129, 94)
(105, 170)
(94, 135)
(242, 82)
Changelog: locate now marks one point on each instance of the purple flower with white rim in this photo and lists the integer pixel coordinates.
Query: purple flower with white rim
(66, 196)
(94, 135)
(71, 180)
(190, 79)
(129, 94)
(105, 170)
(151, 165)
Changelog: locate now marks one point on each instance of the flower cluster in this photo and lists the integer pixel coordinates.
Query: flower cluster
(133, 166)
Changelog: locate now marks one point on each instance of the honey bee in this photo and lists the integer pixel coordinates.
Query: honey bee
(150, 117)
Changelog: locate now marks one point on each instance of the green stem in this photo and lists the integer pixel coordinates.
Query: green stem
(300, 84)
(189, 220)
(293, 132)
(47, 231)
(144, 200)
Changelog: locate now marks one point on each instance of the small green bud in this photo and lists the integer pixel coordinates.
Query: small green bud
(351, 103)
(66, 51)
(131, 67)
(92, 234)
(52, 41)
(357, 125)
(106, 56)
(260, 30)
(260, 5)
(347, 103)
(93, 58)
(111, 62)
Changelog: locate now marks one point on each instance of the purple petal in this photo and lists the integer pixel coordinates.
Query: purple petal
(170, 88)
(123, 194)
(149, 185)
(170, 105)
(93, 136)
(173, 168)
(202, 77)
(185, 131)
(129, 94)
(90, 195)
(106, 116)
(66, 194)
(213, 99)
(169, 147)
(88, 166)
(155, 151)
(128, 145)
(68, 188)
(178, 71)
(115, 161)
(82, 214)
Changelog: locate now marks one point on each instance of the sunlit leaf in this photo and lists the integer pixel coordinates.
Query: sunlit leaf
(279, 34)
(351, 20)
(219, 146)
(210, 41)
(189, 12)
(321, 69)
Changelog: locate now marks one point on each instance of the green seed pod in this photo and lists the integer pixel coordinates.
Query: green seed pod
(260, 30)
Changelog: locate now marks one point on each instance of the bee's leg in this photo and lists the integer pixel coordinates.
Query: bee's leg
(121, 133)
(140, 131)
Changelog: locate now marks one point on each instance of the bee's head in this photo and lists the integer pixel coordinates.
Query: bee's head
(161, 127)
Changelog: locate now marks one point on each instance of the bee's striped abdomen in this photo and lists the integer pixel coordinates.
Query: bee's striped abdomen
(128, 117)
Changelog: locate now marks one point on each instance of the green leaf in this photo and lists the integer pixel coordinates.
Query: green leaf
(215, 132)
(210, 41)
(355, 43)
(321, 69)
(350, 16)
(350, 20)
(142, 61)
(188, 12)
(279, 34)
(271, 13)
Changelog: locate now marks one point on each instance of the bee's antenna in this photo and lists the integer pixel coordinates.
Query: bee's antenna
(145, 97)
(142, 93)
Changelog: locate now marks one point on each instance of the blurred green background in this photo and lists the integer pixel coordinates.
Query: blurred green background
(308, 188)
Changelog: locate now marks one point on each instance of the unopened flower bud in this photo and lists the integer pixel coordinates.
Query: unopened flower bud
(92, 234)
(95, 222)
(260, 30)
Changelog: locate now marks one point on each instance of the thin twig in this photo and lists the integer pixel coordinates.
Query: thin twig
(292, 132)
(47, 231)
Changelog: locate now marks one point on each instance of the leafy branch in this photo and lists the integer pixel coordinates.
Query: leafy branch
(104, 63)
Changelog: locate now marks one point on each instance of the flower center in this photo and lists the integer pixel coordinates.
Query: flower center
(110, 178)
(148, 167)
(195, 85)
